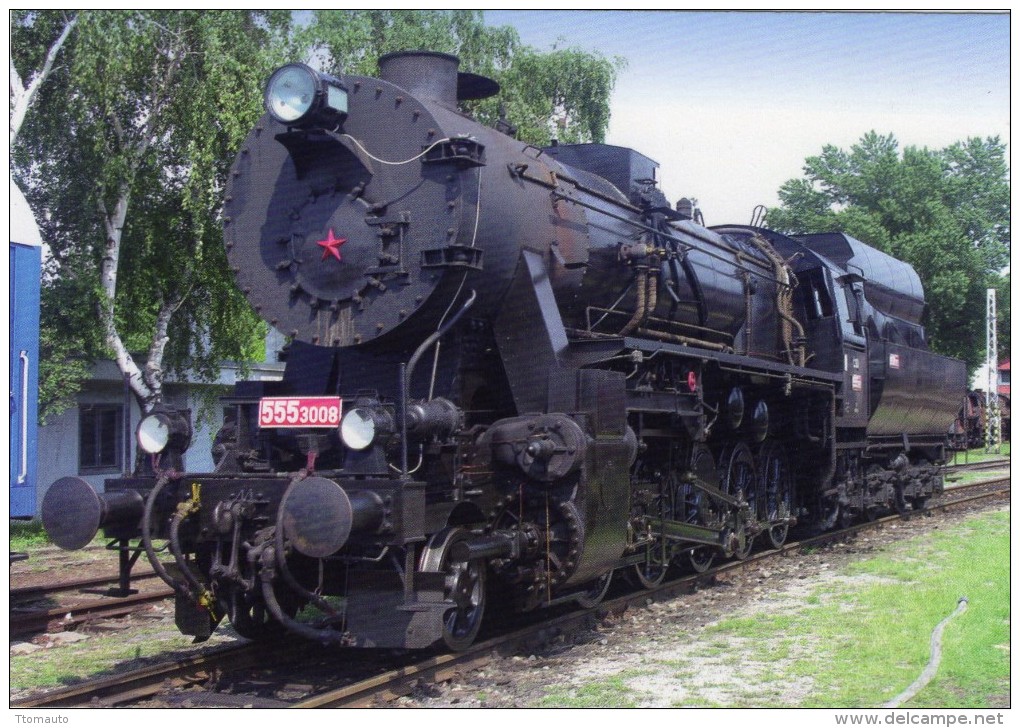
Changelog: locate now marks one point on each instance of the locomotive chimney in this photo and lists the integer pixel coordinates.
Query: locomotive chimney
(425, 74)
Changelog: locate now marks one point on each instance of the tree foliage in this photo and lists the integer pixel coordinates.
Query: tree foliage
(123, 160)
(563, 93)
(946, 212)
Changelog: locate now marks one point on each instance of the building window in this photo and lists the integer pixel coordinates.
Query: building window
(100, 437)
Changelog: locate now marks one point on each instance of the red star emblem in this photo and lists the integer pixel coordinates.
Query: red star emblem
(331, 245)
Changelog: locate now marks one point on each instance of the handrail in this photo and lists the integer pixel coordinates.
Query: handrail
(23, 467)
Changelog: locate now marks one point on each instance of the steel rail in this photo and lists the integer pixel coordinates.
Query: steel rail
(389, 686)
(31, 622)
(41, 591)
(982, 465)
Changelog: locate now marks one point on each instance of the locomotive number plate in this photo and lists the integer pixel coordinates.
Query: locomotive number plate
(299, 412)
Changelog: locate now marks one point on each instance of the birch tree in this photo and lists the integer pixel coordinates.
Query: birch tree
(24, 92)
(124, 159)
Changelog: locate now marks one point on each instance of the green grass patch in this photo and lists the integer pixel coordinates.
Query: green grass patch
(101, 655)
(862, 636)
(27, 535)
(751, 627)
(866, 637)
(966, 478)
(978, 455)
(612, 691)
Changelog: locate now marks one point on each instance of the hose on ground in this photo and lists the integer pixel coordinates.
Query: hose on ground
(933, 661)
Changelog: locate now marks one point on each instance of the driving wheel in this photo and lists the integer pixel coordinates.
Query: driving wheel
(776, 489)
(463, 588)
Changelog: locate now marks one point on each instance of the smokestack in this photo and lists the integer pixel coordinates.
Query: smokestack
(425, 74)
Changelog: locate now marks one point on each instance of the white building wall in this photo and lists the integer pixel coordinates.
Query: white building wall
(59, 456)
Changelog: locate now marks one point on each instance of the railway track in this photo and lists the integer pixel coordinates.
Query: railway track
(68, 617)
(445, 667)
(185, 682)
(37, 592)
(60, 606)
(143, 683)
(996, 464)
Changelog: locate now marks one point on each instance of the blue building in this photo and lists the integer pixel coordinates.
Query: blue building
(25, 272)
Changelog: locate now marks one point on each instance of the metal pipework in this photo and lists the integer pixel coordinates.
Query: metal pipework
(407, 370)
(497, 545)
(73, 512)
(435, 418)
(267, 574)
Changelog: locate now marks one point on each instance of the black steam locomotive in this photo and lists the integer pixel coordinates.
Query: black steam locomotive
(514, 372)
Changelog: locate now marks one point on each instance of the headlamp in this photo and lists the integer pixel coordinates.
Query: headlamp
(298, 95)
(164, 429)
(362, 426)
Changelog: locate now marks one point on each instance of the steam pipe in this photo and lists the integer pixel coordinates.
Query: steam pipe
(175, 548)
(682, 241)
(150, 552)
(266, 574)
(640, 306)
(407, 370)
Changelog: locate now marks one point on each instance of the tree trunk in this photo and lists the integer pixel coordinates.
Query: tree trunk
(22, 96)
(147, 386)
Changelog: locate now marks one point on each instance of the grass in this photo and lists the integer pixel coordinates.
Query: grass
(27, 535)
(976, 477)
(101, 654)
(871, 632)
(855, 641)
(613, 691)
(978, 455)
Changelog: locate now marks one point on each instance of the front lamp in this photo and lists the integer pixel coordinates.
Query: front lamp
(164, 429)
(297, 95)
(362, 426)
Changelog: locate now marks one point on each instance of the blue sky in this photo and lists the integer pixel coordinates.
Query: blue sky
(730, 103)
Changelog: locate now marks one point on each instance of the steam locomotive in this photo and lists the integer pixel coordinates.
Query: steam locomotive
(514, 372)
